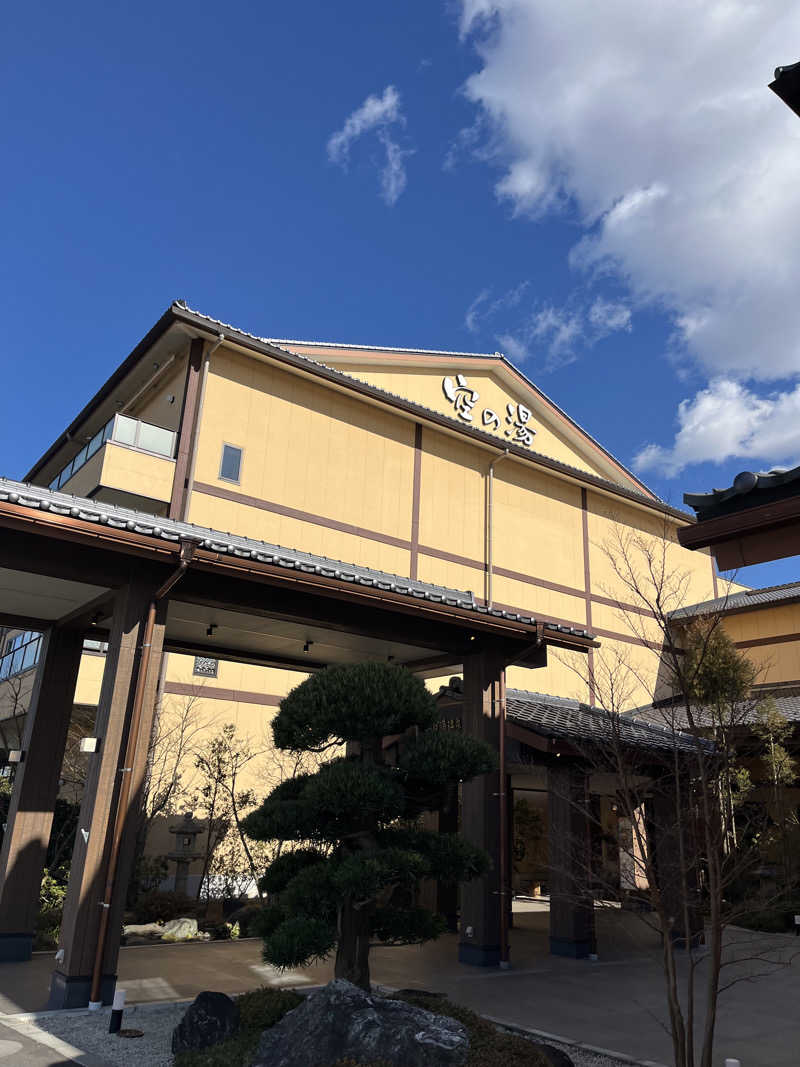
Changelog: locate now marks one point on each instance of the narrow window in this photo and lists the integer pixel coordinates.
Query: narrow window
(231, 466)
(206, 666)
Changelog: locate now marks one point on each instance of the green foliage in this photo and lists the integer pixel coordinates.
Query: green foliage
(299, 940)
(360, 807)
(261, 1008)
(717, 674)
(774, 732)
(407, 926)
(286, 866)
(439, 757)
(53, 889)
(447, 857)
(351, 703)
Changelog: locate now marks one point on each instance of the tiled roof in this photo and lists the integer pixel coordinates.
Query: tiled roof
(749, 490)
(34, 496)
(636, 493)
(570, 720)
(743, 601)
(786, 701)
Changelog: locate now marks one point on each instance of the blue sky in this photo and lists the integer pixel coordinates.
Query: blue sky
(610, 197)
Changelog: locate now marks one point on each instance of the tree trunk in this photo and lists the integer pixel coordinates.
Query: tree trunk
(352, 953)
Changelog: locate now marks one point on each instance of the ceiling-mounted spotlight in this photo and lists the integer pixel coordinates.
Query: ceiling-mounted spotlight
(212, 626)
(307, 645)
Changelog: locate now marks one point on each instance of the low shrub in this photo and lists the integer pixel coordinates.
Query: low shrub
(258, 1010)
(247, 917)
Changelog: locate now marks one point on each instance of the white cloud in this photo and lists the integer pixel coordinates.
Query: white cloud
(536, 329)
(653, 124)
(726, 421)
(379, 114)
(607, 316)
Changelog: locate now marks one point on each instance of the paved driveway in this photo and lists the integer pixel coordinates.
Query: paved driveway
(616, 1002)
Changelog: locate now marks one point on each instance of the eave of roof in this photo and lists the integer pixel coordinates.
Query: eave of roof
(738, 603)
(180, 312)
(749, 490)
(244, 548)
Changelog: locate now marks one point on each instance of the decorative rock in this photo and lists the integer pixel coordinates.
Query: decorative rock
(179, 930)
(143, 929)
(554, 1057)
(342, 1021)
(209, 1019)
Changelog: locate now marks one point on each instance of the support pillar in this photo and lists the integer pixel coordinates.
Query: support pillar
(571, 905)
(71, 981)
(30, 815)
(676, 861)
(479, 941)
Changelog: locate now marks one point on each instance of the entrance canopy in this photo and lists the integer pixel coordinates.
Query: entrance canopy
(242, 599)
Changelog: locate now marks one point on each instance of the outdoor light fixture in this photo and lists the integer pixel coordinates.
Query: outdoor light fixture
(787, 86)
(15, 755)
(210, 629)
(307, 645)
(90, 744)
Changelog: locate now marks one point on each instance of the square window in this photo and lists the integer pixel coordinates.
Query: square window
(231, 466)
(206, 666)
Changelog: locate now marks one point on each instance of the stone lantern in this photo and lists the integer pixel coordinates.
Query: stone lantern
(185, 850)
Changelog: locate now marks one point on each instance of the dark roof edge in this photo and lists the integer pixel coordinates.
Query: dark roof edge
(105, 390)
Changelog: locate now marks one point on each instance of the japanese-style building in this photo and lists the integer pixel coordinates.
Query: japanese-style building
(248, 510)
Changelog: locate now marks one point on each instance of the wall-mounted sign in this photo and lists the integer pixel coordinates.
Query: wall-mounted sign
(464, 398)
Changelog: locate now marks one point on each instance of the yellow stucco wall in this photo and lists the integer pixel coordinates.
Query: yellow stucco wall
(116, 466)
(777, 660)
(424, 385)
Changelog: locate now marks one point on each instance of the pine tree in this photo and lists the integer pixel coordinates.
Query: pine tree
(360, 849)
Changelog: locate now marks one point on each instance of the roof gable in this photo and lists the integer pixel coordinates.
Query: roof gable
(482, 391)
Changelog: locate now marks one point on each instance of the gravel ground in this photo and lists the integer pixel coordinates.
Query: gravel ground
(88, 1032)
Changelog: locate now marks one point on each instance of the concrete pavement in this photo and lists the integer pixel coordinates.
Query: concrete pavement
(616, 1002)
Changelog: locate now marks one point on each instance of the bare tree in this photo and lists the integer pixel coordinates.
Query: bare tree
(691, 841)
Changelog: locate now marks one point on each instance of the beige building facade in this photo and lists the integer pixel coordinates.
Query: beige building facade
(451, 468)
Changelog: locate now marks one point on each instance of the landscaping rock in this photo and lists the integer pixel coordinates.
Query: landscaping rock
(143, 929)
(179, 930)
(341, 1021)
(555, 1056)
(209, 1019)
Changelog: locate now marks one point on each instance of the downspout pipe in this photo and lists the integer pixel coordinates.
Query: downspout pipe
(503, 857)
(126, 770)
(489, 521)
(187, 496)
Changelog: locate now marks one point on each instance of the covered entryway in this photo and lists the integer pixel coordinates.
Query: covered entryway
(73, 567)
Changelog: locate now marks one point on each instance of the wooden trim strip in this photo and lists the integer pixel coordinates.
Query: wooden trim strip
(415, 500)
(216, 692)
(418, 548)
(780, 639)
(296, 513)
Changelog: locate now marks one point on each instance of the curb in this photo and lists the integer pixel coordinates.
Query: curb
(528, 1031)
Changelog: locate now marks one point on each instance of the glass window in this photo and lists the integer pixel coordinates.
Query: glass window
(205, 665)
(231, 466)
(94, 444)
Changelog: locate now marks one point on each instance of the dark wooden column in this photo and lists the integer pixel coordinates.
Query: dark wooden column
(479, 941)
(30, 815)
(186, 429)
(71, 980)
(677, 878)
(571, 905)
